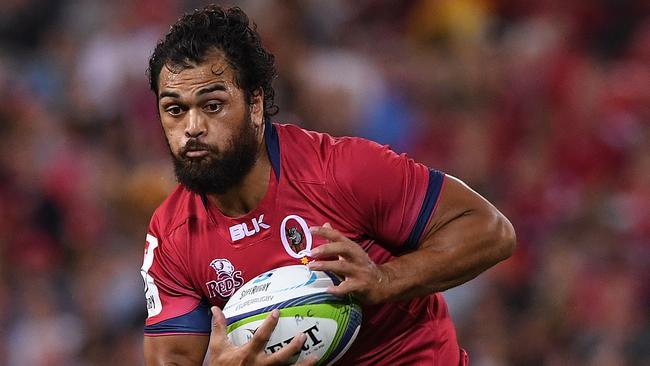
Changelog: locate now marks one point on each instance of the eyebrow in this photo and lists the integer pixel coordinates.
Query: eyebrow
(168, 94)
(211, 88)
(206, 90)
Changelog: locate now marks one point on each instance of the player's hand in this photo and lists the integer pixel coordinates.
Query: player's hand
(362, 277)
(225, 353)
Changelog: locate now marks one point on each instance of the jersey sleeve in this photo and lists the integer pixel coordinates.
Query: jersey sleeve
(388, 196)
(173, 306)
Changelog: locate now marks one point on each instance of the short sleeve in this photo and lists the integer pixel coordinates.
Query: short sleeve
(173, 307)
(389, 196)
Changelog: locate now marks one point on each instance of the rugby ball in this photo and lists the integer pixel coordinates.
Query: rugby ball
(331, 323)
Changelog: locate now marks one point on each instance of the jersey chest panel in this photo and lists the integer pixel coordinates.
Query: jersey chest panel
(220, 265)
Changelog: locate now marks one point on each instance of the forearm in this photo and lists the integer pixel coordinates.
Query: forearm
(449, 256)
(175, 350)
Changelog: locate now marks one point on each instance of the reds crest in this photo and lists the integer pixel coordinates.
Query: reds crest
(228, 279)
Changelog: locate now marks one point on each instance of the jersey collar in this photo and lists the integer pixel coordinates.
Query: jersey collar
(272, 146)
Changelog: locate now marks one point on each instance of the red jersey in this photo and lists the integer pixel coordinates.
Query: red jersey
(196, 257)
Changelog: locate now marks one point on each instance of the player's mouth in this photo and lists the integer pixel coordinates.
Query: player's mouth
(192, 154)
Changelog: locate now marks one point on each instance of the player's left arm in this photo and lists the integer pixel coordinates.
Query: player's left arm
(465, 236)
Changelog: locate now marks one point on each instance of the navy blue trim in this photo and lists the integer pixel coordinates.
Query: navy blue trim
(272, 146)
(198, 320)
(433, 191)
(204, 200)
(353, 323)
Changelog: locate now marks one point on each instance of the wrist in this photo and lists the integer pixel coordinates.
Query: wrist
(384, 291)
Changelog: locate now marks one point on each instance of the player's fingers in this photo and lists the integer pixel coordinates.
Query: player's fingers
(340, 267)
(282, 355)
(326, 231)
(345, 249)
(218, 334)
(343, 288)
(263, 333)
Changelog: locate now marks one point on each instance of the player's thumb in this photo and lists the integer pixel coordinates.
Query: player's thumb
(327, 225)
(218, 327)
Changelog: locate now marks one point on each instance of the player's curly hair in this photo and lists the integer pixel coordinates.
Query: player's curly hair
(229, 30)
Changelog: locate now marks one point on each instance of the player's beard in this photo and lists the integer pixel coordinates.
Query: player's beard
(219, 171)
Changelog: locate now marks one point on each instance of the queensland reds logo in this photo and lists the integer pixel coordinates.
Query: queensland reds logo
(296, 237)
(228, 279)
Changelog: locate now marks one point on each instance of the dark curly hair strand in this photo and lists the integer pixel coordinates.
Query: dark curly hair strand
(229, 30)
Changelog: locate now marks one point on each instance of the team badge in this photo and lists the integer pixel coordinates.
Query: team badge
(228, 279)
(296, 237)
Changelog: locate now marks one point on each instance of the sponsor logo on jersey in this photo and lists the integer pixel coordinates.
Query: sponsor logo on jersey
(154, 304)
(228, 279)
(296, 237)
(241, 231)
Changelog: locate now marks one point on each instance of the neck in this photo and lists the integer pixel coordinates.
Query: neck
(243, 198)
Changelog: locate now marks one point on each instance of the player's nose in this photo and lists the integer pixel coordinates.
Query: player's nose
(196, 125)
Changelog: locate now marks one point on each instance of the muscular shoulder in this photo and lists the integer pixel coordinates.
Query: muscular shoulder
(311, 154)
(303, 153)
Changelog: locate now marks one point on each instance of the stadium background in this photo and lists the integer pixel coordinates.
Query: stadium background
(543, 106)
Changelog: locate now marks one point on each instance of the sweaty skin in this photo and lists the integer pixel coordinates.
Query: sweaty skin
(204, 103)
(204, 94)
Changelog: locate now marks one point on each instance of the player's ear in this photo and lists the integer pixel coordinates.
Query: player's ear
(257, 107)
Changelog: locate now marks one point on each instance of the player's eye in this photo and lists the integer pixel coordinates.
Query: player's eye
(174, 110)
(213, 107)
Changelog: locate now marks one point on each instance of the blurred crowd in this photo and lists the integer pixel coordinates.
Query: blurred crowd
(541, 106)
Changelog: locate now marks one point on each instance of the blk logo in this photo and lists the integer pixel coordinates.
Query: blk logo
(240, 231)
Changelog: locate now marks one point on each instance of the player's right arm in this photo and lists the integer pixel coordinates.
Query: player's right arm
(179, 330)
(178, 326)
(189, 350)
